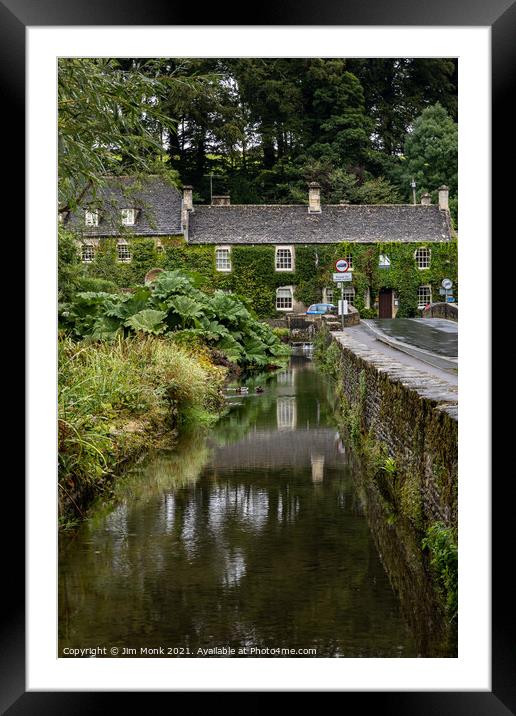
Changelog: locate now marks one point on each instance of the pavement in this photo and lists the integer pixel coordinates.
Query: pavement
(411, 356)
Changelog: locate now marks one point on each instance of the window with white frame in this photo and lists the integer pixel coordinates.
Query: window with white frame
(160, 249)
(422, 256)
(223, 258)
(91, 217)
(349, 294)
(384, 261)
(123, 251)
(328, 295)
(128, 217)
(284, 258)
(88, 253)
(349, 259)
(284, 298)
(424, 296)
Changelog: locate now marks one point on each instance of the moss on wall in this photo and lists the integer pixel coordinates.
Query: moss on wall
(253, 275)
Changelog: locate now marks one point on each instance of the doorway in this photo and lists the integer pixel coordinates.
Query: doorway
(385, 303)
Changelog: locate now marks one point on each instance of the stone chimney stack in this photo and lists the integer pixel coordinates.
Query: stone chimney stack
(314, 198)
(443, 197)
(426, 199)
(187, 197)
(222, 200)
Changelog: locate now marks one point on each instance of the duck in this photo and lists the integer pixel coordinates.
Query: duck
(258, 389)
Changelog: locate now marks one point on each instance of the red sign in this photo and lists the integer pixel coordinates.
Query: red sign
(341, 265)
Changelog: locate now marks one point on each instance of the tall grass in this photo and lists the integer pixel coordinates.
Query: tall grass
(119, 397)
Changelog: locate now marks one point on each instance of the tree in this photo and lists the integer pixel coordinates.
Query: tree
(431, 151)
(110, 120)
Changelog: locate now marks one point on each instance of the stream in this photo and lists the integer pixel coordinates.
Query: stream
(250, 536)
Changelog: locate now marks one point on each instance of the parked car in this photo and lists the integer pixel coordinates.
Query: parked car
(320, 309)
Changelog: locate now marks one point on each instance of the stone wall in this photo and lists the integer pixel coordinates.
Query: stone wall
(442, 310)
(415, 416)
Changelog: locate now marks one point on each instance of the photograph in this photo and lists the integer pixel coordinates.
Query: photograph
(257, 342)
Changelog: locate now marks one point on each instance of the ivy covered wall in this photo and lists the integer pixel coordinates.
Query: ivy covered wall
(253, 275)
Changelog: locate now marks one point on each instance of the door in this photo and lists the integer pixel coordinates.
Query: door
(385, 303)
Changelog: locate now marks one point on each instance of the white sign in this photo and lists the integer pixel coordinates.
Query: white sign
(342, 277)
(343, 307)
(446, 283)
(342, 265)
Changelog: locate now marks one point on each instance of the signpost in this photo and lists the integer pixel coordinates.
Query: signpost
(446, 290)
(341, 276)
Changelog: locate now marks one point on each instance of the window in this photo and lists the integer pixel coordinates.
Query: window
(423, 258)
(349, 259)
(88, 253)
(349, 294)
(160, 249)
(91, 217)
(284, 258)
(223, 258)
(123, 251)
(328, 297)
(424, 296)
(284, 298)
(384, 261)
(128, 217)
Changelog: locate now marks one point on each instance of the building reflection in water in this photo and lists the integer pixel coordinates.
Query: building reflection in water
(317, 467)
(286, 413)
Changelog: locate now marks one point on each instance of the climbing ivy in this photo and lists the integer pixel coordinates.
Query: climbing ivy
(253, 276)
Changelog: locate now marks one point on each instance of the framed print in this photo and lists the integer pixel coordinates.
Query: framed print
(202, 536)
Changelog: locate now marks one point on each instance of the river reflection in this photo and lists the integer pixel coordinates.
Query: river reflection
(252, 536)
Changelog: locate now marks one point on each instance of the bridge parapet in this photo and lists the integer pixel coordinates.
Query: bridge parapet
(440, 309)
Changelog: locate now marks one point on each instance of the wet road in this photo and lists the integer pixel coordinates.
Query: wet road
(430, 334)
(443, 368)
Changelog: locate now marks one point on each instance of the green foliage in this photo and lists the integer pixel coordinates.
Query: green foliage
(116, 398)
(110, 118)
(172, 303)
(430, 153)
(442, 543)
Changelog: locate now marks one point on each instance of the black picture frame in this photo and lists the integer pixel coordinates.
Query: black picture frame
(500, 15)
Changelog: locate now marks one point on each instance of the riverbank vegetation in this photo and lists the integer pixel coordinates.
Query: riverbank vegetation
(136, 366)
(121, 397)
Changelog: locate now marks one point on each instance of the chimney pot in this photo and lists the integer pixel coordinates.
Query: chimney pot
(443, 197)
(314, 198)
(426, 199)
(221, 200)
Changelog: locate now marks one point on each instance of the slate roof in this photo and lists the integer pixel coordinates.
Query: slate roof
(158, 204)
(278, 224)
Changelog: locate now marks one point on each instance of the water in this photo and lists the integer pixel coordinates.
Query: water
(253, 536)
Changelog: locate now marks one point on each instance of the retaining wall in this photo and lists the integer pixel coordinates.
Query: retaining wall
(416, 416)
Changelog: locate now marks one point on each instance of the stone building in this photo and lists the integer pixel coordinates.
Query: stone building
(281, 257)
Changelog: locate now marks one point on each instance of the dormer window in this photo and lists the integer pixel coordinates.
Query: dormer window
(128, 217)
(91, 217)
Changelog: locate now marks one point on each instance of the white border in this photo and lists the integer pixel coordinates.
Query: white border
(471, 670)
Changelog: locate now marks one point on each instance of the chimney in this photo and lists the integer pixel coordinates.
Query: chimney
(222, 200)
(187, 197)
(443, 197)
(314, 198)
(426, 199)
